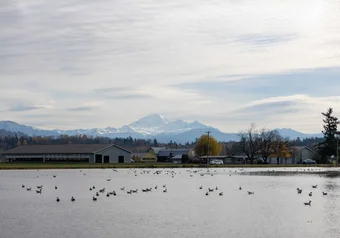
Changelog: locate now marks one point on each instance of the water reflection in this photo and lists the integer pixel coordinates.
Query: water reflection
(274, 210)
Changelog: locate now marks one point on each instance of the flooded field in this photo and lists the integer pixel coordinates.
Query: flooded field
(175, 206)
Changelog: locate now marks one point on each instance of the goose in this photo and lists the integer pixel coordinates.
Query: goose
(97, 194)
(221, 193)
(240, 188)
(310, 194)
(102, 190)
(39, 187)
(216, 188)
(129, 192)
(165, 190)
(38, 191)
(164, 185)
(145, 190)
(108, 180)
(299, 191)
(54, 176)
(308, 203)
(323, 193)
(90, 189)
(135, 191)
(94, 198)
(55, 187)
(22, 186)
(114, 193)
(201, 187)
(250, 193)
(93, 187)
(58, 200)
(107, 195)
(314, 186)
(72, 199)
(156, 187)
(211, 190)
(29, 189)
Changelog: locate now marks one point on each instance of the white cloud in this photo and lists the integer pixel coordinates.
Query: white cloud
(55, 54)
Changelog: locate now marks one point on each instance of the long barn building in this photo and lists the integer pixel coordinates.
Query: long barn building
(92, 153)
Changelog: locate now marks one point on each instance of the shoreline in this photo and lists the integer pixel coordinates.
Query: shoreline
(46, 166)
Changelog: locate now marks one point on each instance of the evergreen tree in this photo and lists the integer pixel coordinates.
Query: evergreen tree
(328, 147)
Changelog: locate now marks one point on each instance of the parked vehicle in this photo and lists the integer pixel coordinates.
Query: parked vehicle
(308, 161)
(216, 161)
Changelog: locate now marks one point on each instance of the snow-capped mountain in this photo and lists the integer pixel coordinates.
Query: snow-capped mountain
(150, 127)
(155, 124)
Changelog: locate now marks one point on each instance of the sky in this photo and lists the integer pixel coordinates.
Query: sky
(70, 64)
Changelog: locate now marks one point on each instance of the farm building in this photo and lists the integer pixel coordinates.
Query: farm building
(92, 153)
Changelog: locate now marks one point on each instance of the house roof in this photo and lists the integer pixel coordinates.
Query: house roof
(177, 157)
(61, 149)
(157, 149)
(298, 148)
(167, 152)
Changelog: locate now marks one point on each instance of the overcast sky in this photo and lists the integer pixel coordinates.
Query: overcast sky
(95, 63)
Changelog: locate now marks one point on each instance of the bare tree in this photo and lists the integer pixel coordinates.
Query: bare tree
(250, 142)
(267, 142)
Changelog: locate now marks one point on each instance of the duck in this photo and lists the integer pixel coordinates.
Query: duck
(90, 189)
(22, 186)
(129, 192)
(102, 190)
(39, 187)
(38, 191)
(93, 187)
(299, 191)
(323, 193)
(58, 200)
(29, 189)
(250, 193)
(122, 188)
(165, 190)
(310, 194)
(55, 187)
(107, 195)
(207, 193)
(221, 193)
(240, 188)
(211, 190)
(201, 187)
(114, 193)
(216, 188)
(308, 203)
(156, 187)
(72, 199)
(54, 176)
(314, 186)
(97, 194)
(164, 185)
(94, 198)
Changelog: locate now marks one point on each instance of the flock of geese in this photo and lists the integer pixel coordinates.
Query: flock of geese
(172, 173)
(309, 203)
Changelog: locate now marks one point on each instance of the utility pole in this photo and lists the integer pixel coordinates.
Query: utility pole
(208, 132)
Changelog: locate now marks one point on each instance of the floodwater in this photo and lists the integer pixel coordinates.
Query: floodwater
(275, 209)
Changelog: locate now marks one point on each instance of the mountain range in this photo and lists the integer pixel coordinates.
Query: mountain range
(150, 127)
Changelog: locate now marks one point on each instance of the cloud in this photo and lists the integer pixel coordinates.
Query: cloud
(80, 109)
(186, 61)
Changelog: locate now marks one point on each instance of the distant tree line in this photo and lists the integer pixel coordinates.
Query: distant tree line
(9, 140)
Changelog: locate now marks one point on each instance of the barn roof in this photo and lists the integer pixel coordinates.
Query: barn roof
(60, 149)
